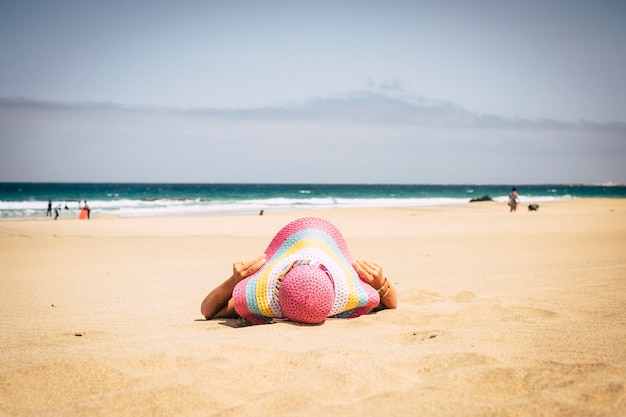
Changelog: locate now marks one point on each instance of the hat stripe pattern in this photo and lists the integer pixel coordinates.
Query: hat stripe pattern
(318, 242)
(295, 248)
(290, 266)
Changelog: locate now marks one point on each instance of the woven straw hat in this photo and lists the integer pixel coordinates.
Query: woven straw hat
(308, 277)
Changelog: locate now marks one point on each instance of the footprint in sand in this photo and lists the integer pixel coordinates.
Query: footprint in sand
(422, 297)
(418, 336)
(464, 297)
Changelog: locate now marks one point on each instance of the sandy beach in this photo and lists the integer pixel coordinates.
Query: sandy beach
(500, 314)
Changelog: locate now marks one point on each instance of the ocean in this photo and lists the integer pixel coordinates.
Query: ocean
(30, 200)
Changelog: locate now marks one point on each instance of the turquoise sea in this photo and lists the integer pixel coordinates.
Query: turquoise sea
(30, 200)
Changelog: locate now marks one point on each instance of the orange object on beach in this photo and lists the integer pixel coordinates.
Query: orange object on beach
(83, 214)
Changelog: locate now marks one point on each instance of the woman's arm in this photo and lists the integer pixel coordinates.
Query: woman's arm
(218, 303)
(372, 273)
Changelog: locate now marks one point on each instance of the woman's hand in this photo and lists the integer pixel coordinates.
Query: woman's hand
(370, 272)
(218, 302)
(243, 270)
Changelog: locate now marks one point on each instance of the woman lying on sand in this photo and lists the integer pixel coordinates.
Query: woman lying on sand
(305, 275)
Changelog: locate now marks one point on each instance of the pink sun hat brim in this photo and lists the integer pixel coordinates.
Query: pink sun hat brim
(318, 242)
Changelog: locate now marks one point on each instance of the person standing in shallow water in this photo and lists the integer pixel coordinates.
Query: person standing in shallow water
(86, 207)
(49, 212)
(513, 200)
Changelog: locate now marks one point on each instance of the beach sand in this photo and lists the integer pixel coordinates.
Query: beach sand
(500, 314)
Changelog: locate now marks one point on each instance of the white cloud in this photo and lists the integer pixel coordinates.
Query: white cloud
(360, 108)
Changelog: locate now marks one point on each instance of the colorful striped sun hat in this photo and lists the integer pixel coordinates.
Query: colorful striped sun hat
(308, 277)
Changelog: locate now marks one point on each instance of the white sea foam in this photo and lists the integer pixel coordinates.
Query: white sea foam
(194, 207)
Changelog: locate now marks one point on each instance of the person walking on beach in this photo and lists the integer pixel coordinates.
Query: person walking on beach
(305, 275)
(57, 211)
(513, 200)
(49, 212)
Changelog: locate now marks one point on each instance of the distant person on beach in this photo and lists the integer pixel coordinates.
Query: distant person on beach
(49, 212)
(84, 211)
(513, 200)
(57, 211)
(305, 275)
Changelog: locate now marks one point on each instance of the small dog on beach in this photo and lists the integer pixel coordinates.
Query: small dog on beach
(533, 207)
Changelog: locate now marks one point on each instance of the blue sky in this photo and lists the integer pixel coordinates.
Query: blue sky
(285, 91)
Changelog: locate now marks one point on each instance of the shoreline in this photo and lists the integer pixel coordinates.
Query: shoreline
(145, 200)
(232, 214)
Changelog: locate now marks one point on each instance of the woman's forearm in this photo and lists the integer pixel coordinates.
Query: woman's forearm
(217, 299)
(388, 296)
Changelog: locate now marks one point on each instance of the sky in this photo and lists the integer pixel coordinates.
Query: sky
(445, 92)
